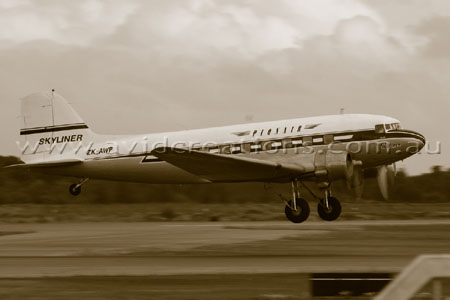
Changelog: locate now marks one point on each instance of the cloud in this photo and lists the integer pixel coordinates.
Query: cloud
(248, 29)
(436, 31)
(401, 17)
(400, 14)
(358, 45)
(65, 21)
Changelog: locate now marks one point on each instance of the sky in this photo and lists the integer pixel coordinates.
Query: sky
(143, 66)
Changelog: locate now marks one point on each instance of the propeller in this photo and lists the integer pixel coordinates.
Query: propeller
(356, 181)
(385, 178)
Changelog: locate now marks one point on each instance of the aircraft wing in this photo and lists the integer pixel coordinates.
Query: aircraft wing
(48, 164)
(226, 168)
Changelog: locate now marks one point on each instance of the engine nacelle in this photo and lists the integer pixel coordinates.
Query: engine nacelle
(333, 165)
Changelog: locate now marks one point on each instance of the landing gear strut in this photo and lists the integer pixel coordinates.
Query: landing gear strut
(297, 209)
(75, 189)
(329, 208)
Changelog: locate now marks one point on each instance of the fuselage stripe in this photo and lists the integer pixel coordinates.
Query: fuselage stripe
(64, 127)
(280, 143)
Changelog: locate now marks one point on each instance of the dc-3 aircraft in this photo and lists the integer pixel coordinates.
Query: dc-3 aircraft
(54, 139)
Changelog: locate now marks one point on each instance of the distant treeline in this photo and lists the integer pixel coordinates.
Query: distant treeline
(23, 186)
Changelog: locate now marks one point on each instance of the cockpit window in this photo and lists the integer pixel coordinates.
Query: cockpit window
(379, 128)
(393, 126)
(396, 126)
(382, 128)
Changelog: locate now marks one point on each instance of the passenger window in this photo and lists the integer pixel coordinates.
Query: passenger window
(297, 142)
(255, 147)
(276, 131)
(269, 131)
(235, 149)
(285, 129)
(277, 144)
(307, 141)
(267, 145)
(225, 149)
(344, 138)
(254, 132)
(328, 139)
(318, 140)
(214, 150)
(287, 143)
(299, 128)
(245, 148)
(292, 129)
(262, 131)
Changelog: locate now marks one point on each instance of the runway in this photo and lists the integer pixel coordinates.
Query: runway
(122, 238)
(34, 267)
(153, 249)
(210, 260)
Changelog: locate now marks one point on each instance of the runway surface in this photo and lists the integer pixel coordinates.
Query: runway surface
(214, 261)
(138, 249)
(32, 267)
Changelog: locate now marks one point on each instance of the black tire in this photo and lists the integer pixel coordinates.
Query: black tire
(74, 190)
(301, 214)
(334, 209)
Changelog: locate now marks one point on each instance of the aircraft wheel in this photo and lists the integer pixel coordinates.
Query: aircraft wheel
(74, 190)
(299, 215)
(332, 212)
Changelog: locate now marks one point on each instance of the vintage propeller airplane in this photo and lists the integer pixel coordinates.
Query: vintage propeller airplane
(54, 139)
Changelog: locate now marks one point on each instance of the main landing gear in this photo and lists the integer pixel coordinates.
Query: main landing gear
(75, 189)
(329, 208)
(297, 210)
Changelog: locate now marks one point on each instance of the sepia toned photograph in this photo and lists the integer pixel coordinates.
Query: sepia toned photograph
(224, 150)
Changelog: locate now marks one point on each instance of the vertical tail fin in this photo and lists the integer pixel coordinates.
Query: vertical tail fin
(50, 128)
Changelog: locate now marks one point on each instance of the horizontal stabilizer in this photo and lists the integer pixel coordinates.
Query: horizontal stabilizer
(221, 168)
(48, 164)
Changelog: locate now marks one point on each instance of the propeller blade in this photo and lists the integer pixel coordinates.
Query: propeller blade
(383, 182)
(356, 182)
(385, 179)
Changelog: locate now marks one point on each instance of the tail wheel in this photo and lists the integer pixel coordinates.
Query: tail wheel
(330, 213)
(301, 214)
(75, 189)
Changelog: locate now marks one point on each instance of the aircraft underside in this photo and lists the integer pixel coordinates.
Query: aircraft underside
(297, 209)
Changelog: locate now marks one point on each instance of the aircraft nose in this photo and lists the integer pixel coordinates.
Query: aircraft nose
(416, 136)
(420, 138)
